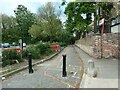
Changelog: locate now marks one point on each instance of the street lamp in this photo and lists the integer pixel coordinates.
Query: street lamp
(98, 13)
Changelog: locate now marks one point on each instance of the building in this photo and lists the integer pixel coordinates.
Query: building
(115, 19)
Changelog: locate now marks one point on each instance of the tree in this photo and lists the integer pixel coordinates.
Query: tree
(8, 22)
(106, 8)
(48, 18)
(67, 37)
(11, 35)
(35, 31)
(25, 19)
(75, 21)
(10, 32)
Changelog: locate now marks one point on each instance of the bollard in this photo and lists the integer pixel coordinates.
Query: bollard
(91, 71)
(30, 63)
(91, 64)
(64, 73)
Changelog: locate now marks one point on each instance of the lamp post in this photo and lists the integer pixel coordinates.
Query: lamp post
(100, 13)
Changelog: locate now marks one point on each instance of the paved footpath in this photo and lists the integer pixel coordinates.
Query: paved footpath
(107, 72)
(49, 73)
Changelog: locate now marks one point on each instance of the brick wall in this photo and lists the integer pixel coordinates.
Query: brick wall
(109, 46)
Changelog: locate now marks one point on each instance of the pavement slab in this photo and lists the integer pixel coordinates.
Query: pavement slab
(107, 72)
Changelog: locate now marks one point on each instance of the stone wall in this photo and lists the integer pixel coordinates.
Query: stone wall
(86, 44)
(109, 46)
(107, 49)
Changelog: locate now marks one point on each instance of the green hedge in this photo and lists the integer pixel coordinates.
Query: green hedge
(63, 44)
(38, 51)
(33, 50)
(43, 47)
(9, 57)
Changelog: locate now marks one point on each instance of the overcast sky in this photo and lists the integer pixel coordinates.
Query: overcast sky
(8, 6)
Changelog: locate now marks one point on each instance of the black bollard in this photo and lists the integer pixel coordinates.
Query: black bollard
(30, 63)
(64, 66)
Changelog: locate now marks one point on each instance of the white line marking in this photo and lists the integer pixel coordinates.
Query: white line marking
(75, 77)
(74, 73)
(74, 66)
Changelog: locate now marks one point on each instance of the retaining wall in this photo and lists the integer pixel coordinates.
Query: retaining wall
(105, 46)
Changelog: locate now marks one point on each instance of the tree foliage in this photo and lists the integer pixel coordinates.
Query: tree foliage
(75, 20)
(11, 35)
(48, 23)
(35, 31)
(106, 13)
(10, 32)
(25, 19)
(8, 22)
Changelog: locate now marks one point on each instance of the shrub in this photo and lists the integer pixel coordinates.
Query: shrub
(33, 50)
(63, 44)
(9, 57)
(49, 51)
(38, 50)
(43, 47)
(25, 53)
(11, 54)
(60, 43)
(5, 62)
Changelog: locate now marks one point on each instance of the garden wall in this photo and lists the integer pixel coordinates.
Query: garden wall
(105, 46)
(109, 46)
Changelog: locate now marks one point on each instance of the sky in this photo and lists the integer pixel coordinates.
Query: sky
(8, 6)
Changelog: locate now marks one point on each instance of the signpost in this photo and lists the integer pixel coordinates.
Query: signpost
(21, 46)
(20, 42)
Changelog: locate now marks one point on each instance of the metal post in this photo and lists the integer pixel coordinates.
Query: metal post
(64, 74)
(30, 63)
(101, 46)
(21, 47)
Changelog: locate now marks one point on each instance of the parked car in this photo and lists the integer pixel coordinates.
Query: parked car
(5, 45)
(14, 44)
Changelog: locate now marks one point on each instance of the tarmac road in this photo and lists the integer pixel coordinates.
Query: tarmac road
(49, 73)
